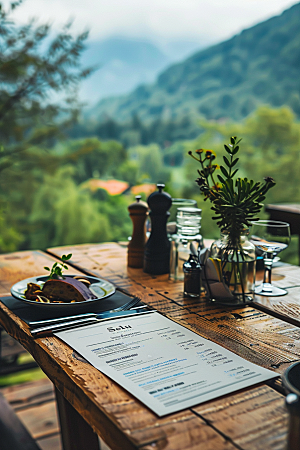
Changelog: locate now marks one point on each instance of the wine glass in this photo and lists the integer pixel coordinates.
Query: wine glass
(270, 237)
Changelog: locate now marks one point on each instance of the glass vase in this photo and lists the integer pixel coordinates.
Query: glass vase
(229, 272)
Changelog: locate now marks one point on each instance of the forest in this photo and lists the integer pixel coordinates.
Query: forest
(47, 156)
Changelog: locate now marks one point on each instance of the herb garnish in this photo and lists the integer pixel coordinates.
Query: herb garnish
(57, 268)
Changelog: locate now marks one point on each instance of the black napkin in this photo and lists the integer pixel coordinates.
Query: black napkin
(29, 312)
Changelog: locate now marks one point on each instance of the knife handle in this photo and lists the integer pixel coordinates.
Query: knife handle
(38, 323)
(50, 329)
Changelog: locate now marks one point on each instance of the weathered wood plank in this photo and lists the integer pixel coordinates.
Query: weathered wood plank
(76, 433)
(14, 434)
(88, 399)
(21, 396)
(51, 443)
(257, 419)
(35, 405)
(41, 420)
(246, 331)
(122, 421)
(256, 336)
(20, 265)
(120, 406)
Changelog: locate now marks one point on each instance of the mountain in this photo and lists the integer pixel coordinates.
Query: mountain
(228, 80)
(125, 63)
(122, 64)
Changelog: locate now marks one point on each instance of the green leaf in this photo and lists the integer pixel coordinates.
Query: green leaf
(226, 160)
(224, 171)
(237, 200)
(57, 268)
(66, 257)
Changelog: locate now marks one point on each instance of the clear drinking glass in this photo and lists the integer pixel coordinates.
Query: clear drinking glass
(188, 224)
(270, 237)
(188, 221)
(180, 203)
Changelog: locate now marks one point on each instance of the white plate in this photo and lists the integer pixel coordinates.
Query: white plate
(101, 288)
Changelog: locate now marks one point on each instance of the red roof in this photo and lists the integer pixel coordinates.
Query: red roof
(113, 187)
(146, 188)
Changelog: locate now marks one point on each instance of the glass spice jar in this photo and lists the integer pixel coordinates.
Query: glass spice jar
(192, 277)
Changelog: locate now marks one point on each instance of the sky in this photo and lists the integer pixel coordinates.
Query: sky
(157, 20)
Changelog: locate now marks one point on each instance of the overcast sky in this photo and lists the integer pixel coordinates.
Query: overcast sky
(161, 20)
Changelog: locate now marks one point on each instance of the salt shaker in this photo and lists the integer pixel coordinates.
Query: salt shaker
(138, 212)
(157, 249)
(192, 275)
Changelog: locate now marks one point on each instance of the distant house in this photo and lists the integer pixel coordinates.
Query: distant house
(117, 187)
(113, 187)
(146, 188)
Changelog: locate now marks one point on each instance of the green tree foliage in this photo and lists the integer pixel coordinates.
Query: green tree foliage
(35, 70)
(271, 141)
(64, 213)
(162, 131)
(10, 238)
(92, 157)
(150, 163)
(39, 77)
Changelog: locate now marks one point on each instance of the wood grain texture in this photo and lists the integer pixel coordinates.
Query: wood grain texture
(254, 335)
(34, 403)
(125, 423)
(14, 434)
(247, 331)
(17, 266)
(76, 433)
(103, 404)
(251, 416)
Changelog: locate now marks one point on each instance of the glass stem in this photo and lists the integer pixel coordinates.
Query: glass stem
(268, 261)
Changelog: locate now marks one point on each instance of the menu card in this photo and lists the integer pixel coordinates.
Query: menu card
(163, 364)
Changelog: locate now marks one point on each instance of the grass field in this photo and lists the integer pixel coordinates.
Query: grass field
(23, 376)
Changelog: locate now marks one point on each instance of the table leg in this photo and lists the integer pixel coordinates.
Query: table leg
(76, 433)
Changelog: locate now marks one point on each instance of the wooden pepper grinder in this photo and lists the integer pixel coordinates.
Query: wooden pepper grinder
(157, 249)
(138, 212)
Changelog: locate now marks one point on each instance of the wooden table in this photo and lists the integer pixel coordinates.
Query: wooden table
(266, 333)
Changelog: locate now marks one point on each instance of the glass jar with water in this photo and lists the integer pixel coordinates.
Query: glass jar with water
(188, 224)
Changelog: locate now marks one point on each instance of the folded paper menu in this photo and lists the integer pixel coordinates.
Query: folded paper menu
(163, 364)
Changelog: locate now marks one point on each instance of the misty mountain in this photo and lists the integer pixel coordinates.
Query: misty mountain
(228, 80)
(123, 63)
